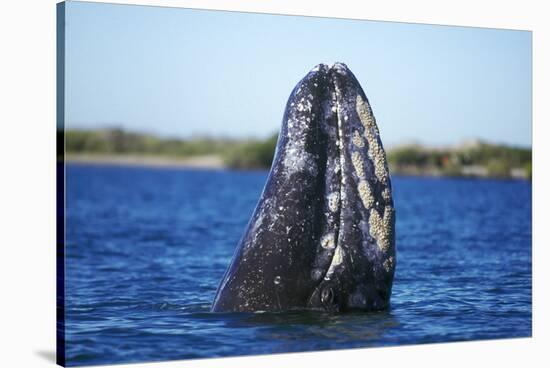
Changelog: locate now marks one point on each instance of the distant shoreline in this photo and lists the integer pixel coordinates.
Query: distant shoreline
(474, 158)
(215, 162)
(197, 162)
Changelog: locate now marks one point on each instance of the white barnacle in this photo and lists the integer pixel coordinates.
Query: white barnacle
(357, 139)
(357, 162)
(386, 194)
(365, 193)
(334, 201)
(327, 241)
(382, 228)
(338, 257)
(376, 151)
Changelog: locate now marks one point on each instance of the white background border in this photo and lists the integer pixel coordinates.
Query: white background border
(27, 180)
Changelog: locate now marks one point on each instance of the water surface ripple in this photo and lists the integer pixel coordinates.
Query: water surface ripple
(146, 248)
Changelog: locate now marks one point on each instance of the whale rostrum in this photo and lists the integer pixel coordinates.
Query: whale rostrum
(322, 235)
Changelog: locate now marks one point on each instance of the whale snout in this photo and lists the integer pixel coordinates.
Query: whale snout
(323, 233)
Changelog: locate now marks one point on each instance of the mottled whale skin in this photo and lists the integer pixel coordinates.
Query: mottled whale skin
(322, 236)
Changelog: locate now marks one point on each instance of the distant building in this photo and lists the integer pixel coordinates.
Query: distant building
(475, 170)
(518, 173)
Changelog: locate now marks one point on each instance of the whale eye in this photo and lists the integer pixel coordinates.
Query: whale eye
(327, 296)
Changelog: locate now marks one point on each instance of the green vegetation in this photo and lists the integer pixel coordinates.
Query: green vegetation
(251, 155)
(473, 159)
(235, 153)
(117, 141)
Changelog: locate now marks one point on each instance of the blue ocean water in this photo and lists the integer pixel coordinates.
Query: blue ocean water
(146, 248)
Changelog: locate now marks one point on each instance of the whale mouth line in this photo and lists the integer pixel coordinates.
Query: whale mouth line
(334, 103)
(334, 117)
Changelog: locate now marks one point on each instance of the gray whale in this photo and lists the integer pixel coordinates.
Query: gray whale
(322, 235)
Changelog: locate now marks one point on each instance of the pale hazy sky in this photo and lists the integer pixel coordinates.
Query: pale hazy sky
(179, 72)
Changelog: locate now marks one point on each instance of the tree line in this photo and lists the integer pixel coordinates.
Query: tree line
(474, 159)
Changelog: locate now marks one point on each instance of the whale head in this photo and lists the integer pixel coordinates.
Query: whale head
(322, 235)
